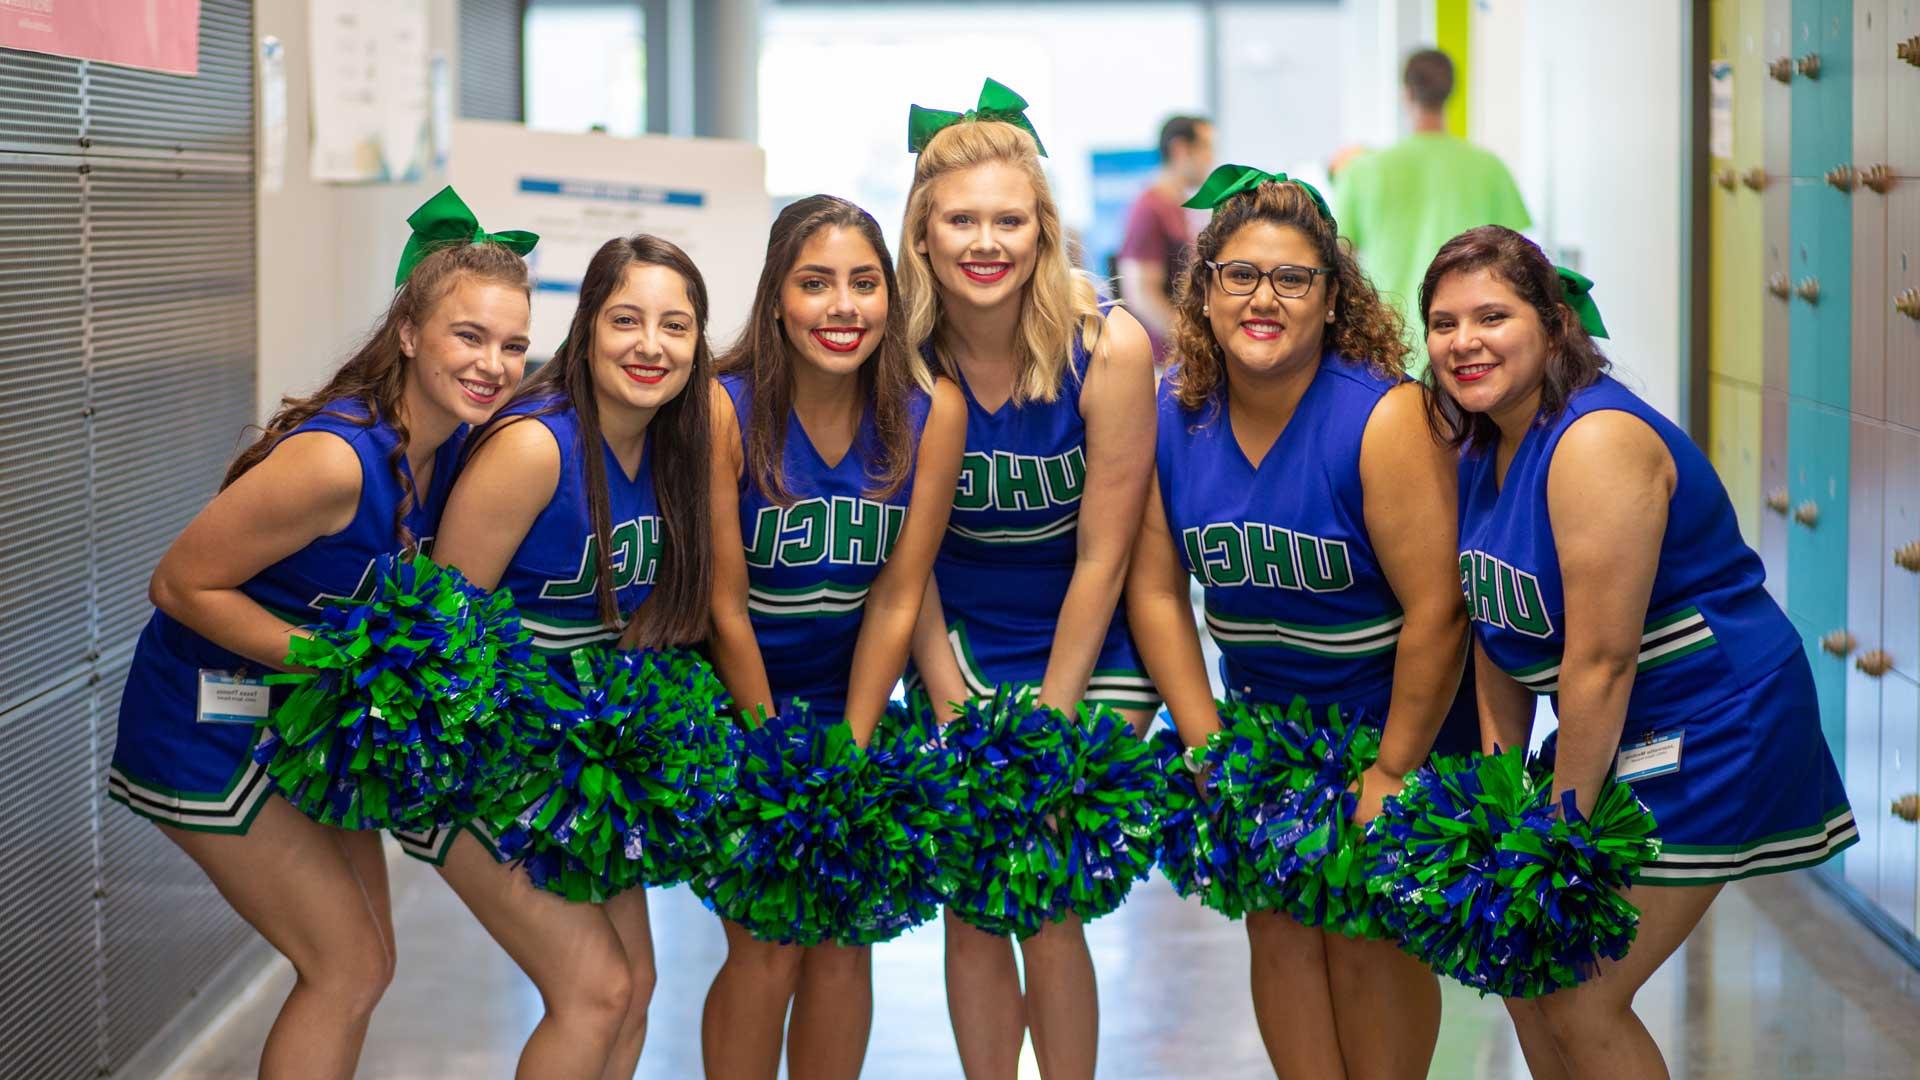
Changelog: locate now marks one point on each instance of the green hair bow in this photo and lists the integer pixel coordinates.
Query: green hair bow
(1227, 181)
(444, 221)
(996, 103)
(1578, 289)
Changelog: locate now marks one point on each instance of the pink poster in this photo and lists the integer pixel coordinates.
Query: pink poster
(160, 35)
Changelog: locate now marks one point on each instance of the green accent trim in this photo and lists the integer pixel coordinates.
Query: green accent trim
(1304, 628)
(1534, 669)
(830, 588)
(1032, 534)
(1452, 35)
(1821, 829)
(1668, 620)
(238, 828)
(1664, 659)
(1752, 872)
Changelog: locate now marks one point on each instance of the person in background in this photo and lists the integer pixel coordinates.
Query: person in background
(1159, 238)
(1398, 205)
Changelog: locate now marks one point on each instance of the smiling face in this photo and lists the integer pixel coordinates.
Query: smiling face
(1488, 346)
(468, 353)
(983, 234)
(1264, 333)
(644, 339)
(833, 303)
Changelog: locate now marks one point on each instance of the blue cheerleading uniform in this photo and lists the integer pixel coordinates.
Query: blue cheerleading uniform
(1295, 596)
(172, 768)
(1720, 665)
(1011, 544)
(810, 564)
(554, 574)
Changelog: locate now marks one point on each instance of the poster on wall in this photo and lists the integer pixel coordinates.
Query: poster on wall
(370, 110)
(578, 191)
(159, 35)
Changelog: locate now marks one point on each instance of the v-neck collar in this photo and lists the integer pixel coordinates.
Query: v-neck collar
(974, 402)
(1293, 422)
(806, 437)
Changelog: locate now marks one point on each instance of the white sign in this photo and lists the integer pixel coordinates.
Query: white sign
(709, 196)
(1720, 109)
(369, 89)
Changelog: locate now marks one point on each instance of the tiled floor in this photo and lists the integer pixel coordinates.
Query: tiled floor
(1777, 983)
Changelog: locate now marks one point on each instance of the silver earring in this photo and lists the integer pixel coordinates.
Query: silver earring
(1206, 309)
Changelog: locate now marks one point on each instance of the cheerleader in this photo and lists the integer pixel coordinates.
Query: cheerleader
(1059, 406)
(1297, 481)
(1603, 565)
(587, 499)
(834, 462)
(337, 480)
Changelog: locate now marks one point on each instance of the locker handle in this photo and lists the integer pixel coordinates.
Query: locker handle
(1755, 178)
(1909, 50)
(1809, 65)
(1778, 502)
(1840, 178)
(1907, 556)
(1873, 663)
(1726, 179)
(1877, 178)
(1807, 513)
(1907, 807)
(1779, 286)
(1781, 68)
(1808, 290)
(1839, 642)
(1908, 303)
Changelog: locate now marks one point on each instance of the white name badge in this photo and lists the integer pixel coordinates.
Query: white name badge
(1648, 758)
(227, 698)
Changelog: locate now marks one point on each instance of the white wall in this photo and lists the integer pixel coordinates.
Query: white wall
(326, 252)
(1281, 76)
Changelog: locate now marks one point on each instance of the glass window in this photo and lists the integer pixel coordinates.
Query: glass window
(586, 67)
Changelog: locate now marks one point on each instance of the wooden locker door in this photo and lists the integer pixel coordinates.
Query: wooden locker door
(1899, 554)
(1735, 447)
(1809, 115)
(1776, 304)
(1860, 765)
(1869, 208)
(1903, 86)
(1817, 457)
(1899, 298)
(1776, 493)
(1899, 854)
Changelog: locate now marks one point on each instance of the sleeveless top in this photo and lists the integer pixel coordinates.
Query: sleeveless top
(1711, 627)
(810, 564)
(1295, 596)
(554, 574)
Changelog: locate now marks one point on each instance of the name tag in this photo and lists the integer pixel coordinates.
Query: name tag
(227, 698)
(1650, 757)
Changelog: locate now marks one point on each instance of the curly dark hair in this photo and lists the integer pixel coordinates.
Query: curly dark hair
(1573, 360)
(1365, 328)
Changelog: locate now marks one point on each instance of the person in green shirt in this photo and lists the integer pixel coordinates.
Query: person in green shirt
(1400, 204)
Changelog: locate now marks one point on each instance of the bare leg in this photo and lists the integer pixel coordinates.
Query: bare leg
(1139, 719)
(1593, 1024)
(747, 1007)
(1536, 1041)
(1293, 998)
(291, 880)
(570, 951)
(628, 914)
(1386, 1008)
(832, 1013)
(1063, 1000)
(983, 1001)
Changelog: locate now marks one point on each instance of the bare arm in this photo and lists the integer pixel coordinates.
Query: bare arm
(1410, 487)
(1160, 615)
(933, 656)
(1506, 707)
(307, 488)
(893, 604)
(1144, 286)
(510, 479)
(1117, 403)
(736, 652)
(1607, 494)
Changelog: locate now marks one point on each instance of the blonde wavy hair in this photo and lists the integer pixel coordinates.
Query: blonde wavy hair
(1365, 328)
(1059, 303)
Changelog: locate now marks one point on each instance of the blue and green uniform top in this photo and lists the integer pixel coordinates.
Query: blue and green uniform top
(168, 766)
(811, 563)
(1720, 666)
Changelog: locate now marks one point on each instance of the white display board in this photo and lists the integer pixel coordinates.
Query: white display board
(578, 191)
(368, 87)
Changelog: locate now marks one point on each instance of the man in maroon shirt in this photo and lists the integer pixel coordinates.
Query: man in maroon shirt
(1159, 237)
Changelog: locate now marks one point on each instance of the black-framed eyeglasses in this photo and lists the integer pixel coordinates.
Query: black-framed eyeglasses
(1242, 278)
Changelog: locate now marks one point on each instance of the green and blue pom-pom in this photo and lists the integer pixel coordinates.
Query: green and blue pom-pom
(1483, 880)
(1285, 776)
(398, 718)
(1198, 849)
(1108, 818)
(626, 763)
(824, 841)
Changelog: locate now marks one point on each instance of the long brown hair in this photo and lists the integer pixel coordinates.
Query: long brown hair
(765, 357)
(675, 612)
(376, 375)
(1573, 360)
(1364, 328)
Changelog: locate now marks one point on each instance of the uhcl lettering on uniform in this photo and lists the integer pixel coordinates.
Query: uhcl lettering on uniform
(1004, 481)
(1228, 553)
(843, 530)
(636, 559)
(1503, 595)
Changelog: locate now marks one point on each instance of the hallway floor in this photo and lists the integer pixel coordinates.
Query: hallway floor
(1778, 982)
